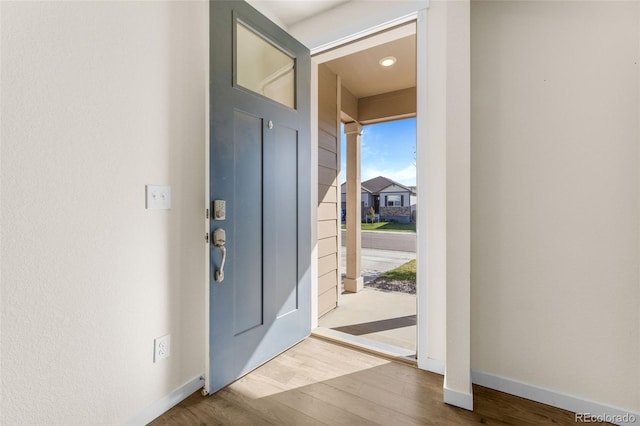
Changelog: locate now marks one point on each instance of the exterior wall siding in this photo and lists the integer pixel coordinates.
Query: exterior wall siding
(328, 201)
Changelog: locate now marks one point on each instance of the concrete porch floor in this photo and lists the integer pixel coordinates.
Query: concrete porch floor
(374, 317)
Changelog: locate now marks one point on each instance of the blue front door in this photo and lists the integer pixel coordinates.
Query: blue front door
(260, 168)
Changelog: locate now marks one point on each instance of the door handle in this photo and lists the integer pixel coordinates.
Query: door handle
(219, 238)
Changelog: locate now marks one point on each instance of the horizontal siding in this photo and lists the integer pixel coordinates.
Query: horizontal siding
(327, 264)
(328, 170)
(327, 301)
(327, 141)
(327, 281)
(327, 176)
(327, 194)
(327, 211)
(324, 124)
(327, 246)
(327, 100)
(327, 228)
(327, 159)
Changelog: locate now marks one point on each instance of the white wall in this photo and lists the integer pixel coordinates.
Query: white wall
(99, 99)
(555, 186)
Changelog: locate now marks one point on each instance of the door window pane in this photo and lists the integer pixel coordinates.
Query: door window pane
(263, 68)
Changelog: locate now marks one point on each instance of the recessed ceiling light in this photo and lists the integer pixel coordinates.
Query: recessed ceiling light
(388, 61)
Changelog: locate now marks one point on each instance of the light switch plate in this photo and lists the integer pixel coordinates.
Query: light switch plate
(158, 197)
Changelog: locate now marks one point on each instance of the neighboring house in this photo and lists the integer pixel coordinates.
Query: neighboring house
(390, 199)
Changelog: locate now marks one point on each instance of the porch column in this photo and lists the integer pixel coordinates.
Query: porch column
(353, 281)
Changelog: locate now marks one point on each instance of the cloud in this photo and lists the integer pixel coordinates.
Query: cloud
(405, 175)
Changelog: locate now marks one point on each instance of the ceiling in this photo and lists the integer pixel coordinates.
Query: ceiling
(363, 76)
(290, 12)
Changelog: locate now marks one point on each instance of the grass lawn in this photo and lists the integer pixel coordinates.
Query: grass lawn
(406, 272)
(387, 226)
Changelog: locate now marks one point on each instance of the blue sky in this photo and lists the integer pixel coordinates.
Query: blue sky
(388, 149)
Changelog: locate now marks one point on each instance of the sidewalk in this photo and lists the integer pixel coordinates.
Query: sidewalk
(375, 262)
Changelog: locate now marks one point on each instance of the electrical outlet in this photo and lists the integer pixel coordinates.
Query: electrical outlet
(162, 347)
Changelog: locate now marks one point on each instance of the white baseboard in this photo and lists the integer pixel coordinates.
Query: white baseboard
(166, 403)
(578, 405)
(457, 398)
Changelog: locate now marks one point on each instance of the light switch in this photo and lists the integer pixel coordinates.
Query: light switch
(158, 197)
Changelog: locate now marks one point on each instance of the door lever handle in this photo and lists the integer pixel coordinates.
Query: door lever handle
(219, 238)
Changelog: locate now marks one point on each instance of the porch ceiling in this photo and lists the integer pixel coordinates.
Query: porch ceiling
(363, 76)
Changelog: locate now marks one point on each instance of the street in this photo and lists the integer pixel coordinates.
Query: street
(386, 240)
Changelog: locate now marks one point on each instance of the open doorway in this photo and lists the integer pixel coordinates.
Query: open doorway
(377, 102)
(383, 313)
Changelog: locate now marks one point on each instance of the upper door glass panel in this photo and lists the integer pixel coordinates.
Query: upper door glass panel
(263, 68)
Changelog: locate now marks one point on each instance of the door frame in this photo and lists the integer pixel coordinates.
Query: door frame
(426, 262)
(443, 175)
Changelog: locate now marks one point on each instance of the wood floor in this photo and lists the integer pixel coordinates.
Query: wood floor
(320, 383)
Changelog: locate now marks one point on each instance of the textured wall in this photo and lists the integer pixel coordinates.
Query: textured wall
(99, 99)
(555, 185)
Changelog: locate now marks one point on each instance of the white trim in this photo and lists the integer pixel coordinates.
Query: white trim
(547, 396)
(434, 365)
(456, 222)
(423, 159)
(424, 203)
(330, 29)
(367, 43)
(458, 399)
(364, 33)
(167, 402)
(313, 191)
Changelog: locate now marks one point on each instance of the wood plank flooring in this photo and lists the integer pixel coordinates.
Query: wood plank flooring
(320, 383)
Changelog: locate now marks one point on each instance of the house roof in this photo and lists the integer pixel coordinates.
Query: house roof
(379, 183)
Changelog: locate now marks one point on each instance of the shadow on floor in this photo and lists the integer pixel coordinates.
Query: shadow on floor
(376, 326)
